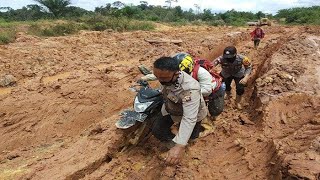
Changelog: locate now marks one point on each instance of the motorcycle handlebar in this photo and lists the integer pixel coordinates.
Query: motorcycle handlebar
(143, 83)
(139, 83)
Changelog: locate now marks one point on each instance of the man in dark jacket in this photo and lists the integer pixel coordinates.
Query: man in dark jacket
(234, 67)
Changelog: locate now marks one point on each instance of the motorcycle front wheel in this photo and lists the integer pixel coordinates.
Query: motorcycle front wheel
(140, 132)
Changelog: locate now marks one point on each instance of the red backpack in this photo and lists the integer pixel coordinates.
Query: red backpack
(259, 33)
(208, 65)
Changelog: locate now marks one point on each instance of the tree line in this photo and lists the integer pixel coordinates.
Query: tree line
(305, 15)
(53, 9)
(63, 9)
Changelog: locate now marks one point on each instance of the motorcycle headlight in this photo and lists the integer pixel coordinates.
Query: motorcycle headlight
(141, 107)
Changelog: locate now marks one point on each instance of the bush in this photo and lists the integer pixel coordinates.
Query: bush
(4, 24)
(197, 23)
(60, 30)
(7, 36)
(140, 25)
(303, 15)
(34, 29)
(99, 26)
(180, 22)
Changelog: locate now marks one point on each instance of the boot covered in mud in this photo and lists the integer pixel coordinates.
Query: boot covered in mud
(208, 127)
(238, 102)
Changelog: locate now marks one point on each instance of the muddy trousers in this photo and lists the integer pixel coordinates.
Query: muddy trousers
(239, 87)
(162, 129)
(216, 101)
(256, 42)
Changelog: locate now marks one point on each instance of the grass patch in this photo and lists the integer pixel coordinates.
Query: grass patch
(55, 29)
(46, 28)
(179, 23)
(5, 24)
(7, 36)
(100, 23)
(60, 30)
(91, 23)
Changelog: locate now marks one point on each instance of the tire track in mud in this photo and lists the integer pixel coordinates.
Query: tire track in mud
(293, 124)
(69, 100)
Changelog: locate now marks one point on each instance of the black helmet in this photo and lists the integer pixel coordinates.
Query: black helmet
(229, 52)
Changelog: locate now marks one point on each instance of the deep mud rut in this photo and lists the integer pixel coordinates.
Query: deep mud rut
(57, 122)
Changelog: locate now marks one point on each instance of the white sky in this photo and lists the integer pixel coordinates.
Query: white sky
(266, 6)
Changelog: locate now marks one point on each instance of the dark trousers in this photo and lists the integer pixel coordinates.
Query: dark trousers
(162, 129)
(239, 87)
(256, 42)
(216, 101)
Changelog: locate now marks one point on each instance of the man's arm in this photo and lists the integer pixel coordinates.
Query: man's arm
(248, 68)
(206, 82)
(247, 65)
(217, 61)
(190, 103)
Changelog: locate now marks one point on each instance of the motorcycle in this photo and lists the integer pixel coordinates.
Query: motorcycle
(137, 123)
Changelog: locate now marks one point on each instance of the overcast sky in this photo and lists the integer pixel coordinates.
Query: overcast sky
(266, 6)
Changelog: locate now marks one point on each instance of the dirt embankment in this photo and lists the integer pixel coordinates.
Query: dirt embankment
(57, 122)
(289, 90)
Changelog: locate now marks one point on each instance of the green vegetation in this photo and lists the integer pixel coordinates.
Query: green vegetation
(61, 9)
(58, 17)
(7, 32)
(310, 15)
(101, 23)
(7, 36)
(95, 24)
(60, 29)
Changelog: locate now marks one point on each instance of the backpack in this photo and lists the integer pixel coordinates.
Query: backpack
(259, 33)
(208, 65)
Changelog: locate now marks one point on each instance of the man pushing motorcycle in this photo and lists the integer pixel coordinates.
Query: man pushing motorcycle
(183, 103)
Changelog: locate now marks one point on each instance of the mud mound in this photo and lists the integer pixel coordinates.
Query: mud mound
(293, 124)
(289, 93)
(294, 67)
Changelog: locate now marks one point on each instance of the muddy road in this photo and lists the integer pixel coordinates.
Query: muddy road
(57, 115)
